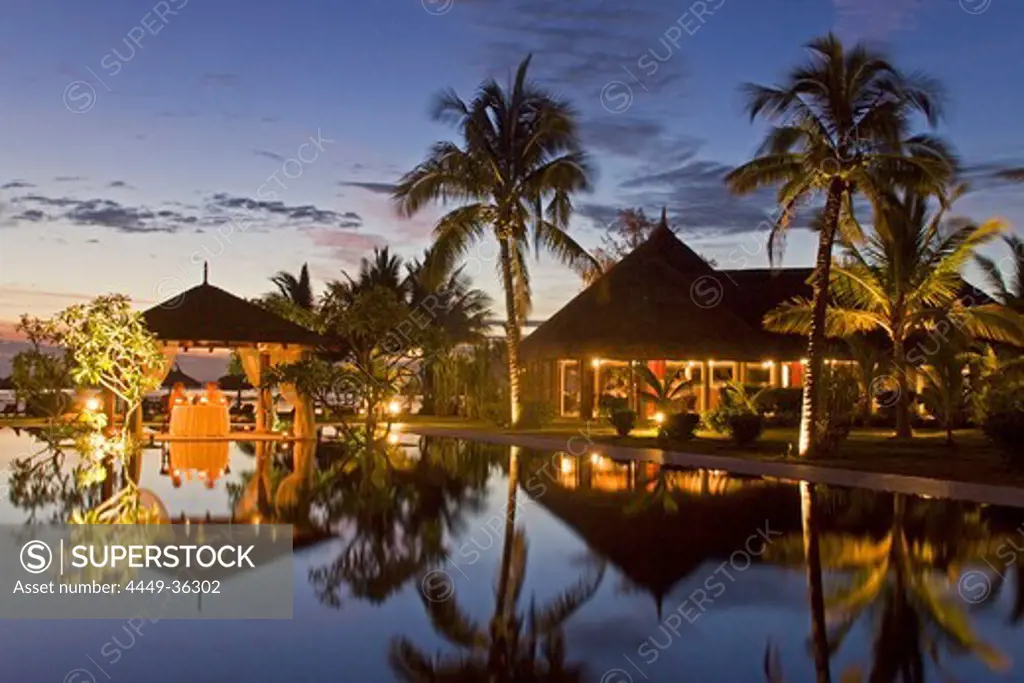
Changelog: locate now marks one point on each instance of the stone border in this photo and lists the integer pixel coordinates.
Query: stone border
(1008, 496)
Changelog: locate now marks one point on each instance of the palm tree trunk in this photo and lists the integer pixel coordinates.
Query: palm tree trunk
(816, 338)
(511, 327)
(899, 361)
(815, 586)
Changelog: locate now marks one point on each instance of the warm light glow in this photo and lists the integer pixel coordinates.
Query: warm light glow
(92, 405)
(659, 418)
(595, 458)
(393, 438)
(767, 364)
(596, 362)
(803, 361)
(566, 466)
(394, 407)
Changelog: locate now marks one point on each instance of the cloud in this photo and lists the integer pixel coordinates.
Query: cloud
(120, 184)
(33, 215)
(875, 19)
(105, 213)
(345, 245)
(68, 179)
(376, 188)
(16, 185)
(222, 202)
(268, 155)
(693, 191)
(218, 80)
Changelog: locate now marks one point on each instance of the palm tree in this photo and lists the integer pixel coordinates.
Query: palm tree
(294, 298)
(297, 290)
(458, 315)
(906, 281)
(663, 393)
(519, 163)
(1009, 293)
(839, 123)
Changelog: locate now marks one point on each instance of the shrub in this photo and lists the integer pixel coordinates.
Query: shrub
(782, 406)
(1004, 421)
(745, 427)
(624, 421)
(717, 420)
(609, 404)
(839, 400)
(679, 427)
(536, 414)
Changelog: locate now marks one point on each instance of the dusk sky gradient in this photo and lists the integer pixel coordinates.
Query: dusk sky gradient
(129, 195)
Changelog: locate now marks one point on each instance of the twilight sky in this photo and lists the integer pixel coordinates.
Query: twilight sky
(132, 131)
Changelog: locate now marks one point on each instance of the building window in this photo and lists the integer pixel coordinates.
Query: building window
(758, 375)
(723, 373)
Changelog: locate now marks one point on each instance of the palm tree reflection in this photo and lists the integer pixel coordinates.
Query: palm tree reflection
(900, 584)
(518, 644)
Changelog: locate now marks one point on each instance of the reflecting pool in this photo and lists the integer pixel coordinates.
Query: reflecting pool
(454, 561)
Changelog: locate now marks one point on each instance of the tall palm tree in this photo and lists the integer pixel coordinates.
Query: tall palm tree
(512, 174)
(1009, 292)
(839, 122)
(906, 281)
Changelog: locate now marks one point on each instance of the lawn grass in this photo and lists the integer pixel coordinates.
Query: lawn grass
(971, 458)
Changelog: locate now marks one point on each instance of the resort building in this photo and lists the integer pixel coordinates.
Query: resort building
(668, 308)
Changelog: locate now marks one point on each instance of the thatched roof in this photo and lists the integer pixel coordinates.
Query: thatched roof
(663, 301)
(208, 316)
(234, 383)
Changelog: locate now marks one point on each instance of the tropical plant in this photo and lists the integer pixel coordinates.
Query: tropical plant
(513, 174)
(906, 282)
(294, 298)
(947, 390)
(870, 359)
(1004, 420)
(40, 378)
(1009, 292)
(679, 427)
(624, 421)
(840, 126)
(107, 344)
(450, 312)
(663, 393)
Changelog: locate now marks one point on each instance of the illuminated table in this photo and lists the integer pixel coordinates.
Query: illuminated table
(200, 421)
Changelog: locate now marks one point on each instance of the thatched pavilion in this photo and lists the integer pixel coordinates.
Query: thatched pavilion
(207, 317)
(665, 306)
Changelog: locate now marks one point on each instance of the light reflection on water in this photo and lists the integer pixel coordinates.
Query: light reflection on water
(670, 571)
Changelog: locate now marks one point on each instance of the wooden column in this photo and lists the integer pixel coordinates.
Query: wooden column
(586, 390)
(263, 421)
(775, 374)
(705, 386)
(741, 372)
